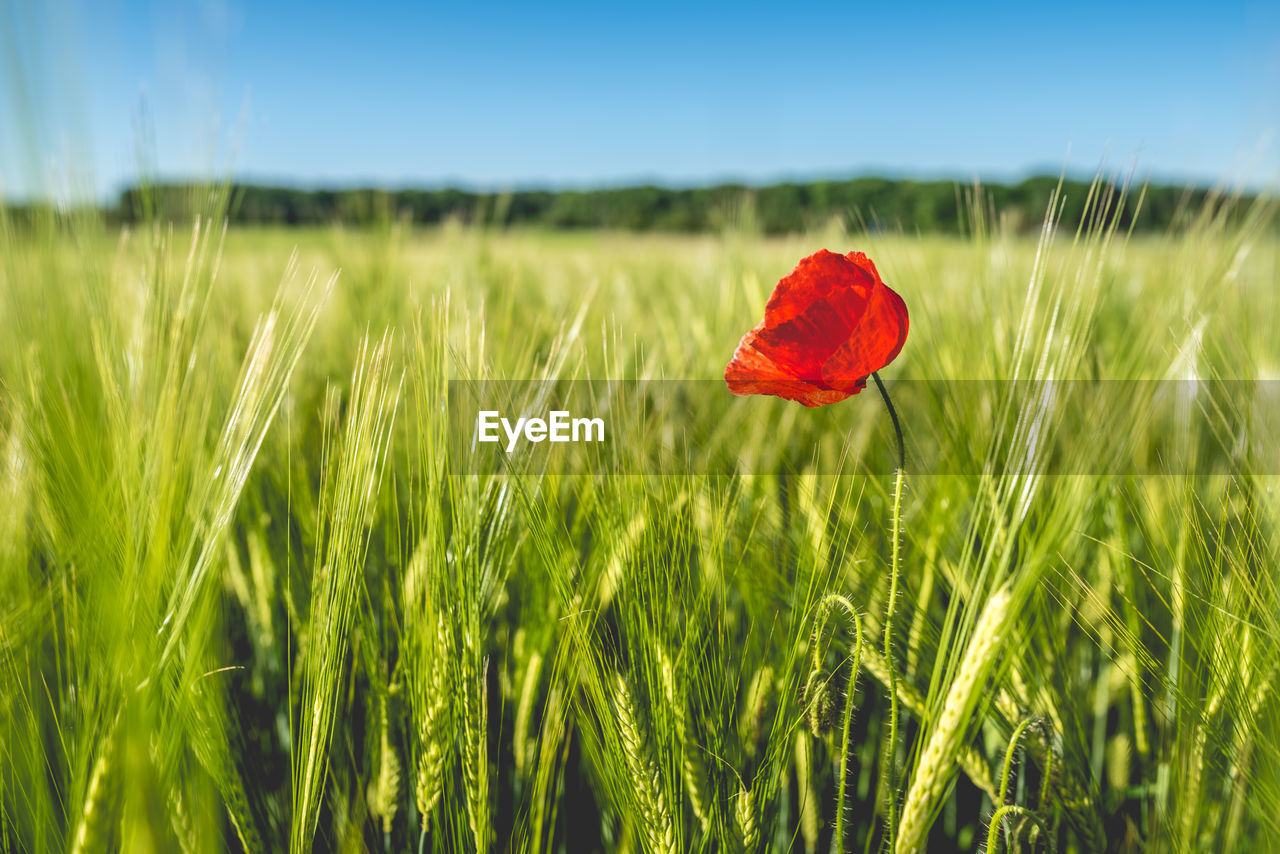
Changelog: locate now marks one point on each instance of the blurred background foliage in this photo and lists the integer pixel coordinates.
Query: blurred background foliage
(865, 203)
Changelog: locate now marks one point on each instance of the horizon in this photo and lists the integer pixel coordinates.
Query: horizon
(579, 98)
(1114, 172)
(1132, 177)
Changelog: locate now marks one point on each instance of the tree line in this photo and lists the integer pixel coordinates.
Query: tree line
(877, 204)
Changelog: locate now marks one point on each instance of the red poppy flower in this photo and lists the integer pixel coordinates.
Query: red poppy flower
(828, 325)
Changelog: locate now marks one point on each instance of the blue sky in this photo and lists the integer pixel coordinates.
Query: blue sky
(496, 95)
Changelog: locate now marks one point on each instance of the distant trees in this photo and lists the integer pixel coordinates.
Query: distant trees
(870, 203)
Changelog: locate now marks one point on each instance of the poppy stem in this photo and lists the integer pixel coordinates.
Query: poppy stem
(891, 745)
(893, 415)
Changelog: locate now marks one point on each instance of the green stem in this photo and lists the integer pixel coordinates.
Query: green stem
(1007, 771)
(890, 664)
(993, 830)
(847, 731)
(893, 416)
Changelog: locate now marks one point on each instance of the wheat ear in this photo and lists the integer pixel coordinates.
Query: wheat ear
(94, 831)
(693, 767)
(525, 745)
(384, 791)
(969, 760)
(475, 726)
(807, 795)
(431, 705)
(947, 736)
(744, 818)
(655, 815)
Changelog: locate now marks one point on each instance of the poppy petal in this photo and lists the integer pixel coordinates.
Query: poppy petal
(814, 278)
(828, 325)
(752, 371)
(878, 341)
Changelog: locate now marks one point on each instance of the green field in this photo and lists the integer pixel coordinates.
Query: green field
(245, 603)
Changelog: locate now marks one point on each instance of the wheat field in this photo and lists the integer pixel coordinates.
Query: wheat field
(249, 601)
